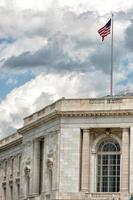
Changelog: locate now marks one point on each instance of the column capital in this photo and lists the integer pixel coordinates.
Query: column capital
(86, 130)
(93, 151)
(125, 127)
(125, 130)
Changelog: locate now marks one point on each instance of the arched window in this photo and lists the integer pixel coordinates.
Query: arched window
(108, 166)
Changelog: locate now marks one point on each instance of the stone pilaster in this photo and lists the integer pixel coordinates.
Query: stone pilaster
(93, 171)
(44, 167)
(22, 179)
(85, 166)
(36, 167)
(131, 160)
(125, 164)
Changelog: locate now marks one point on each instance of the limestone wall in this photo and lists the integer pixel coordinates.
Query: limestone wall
(69, 160)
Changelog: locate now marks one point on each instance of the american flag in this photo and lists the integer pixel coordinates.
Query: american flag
(105, 30)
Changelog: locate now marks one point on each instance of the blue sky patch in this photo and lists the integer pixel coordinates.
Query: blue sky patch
(8, 83)
(7, 40)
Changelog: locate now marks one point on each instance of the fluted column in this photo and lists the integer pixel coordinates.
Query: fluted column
(125, 164)
(36, 167)
(85, 166)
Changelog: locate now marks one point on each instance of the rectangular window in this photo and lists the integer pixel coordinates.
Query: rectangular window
(50, 180)
(28, 186)
(4, 193)
(18, 191)
(19, 163)
(12, 165)
(108, 173)
(5, 167)
(11, 190)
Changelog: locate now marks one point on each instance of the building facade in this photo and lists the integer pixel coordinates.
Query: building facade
(73, 149)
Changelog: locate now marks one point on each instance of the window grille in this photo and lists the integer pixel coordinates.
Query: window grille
(108, 167)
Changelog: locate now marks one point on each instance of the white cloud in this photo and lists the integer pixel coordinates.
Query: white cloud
(44, 89)
(23, 45)
(63, 40)
(26, 4)
(78, 5)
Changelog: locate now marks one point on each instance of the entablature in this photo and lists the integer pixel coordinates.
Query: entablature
(81, 113)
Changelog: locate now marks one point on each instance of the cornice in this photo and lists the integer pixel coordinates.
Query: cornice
(38, 122)
(11, 144)
(58, 114)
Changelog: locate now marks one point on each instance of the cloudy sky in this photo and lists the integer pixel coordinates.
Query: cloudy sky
(51, 49)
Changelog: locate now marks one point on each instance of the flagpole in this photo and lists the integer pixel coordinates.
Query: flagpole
(111, 77)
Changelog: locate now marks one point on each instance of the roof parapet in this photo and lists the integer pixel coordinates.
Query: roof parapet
(82, 104)
(10, 139)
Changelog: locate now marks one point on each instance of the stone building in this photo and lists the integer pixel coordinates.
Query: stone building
(73, 149)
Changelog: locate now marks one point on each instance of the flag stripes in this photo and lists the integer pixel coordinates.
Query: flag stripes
(105, 30)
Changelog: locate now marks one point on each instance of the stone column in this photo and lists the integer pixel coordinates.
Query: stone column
(125, 164)
(36, 167)
(85, 165)
(131, 160)
(93, 171)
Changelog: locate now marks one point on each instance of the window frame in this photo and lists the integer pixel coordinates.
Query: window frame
(103, 165)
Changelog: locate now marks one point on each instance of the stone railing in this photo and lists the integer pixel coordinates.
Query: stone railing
(105, 196)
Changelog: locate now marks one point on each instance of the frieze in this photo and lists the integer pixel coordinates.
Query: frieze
(8, 157)
(95, 113)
